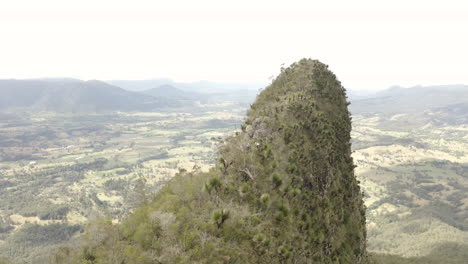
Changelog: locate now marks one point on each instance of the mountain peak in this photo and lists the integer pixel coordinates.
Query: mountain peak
(283, 189)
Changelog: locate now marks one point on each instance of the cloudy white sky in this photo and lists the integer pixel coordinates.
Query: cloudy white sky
(369, 44)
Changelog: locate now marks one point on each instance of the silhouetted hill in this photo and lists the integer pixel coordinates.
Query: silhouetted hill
(69, 95)
(140, 85)
(204, 87)
(242, 97)
(169, 91)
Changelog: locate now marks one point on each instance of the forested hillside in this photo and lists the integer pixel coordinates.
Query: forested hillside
(283, 191)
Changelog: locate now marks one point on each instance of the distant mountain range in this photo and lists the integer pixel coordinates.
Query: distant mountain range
(436, 105)
(169, 91)
(70, 95)
(203, 92)
(397, 99)
(197, 87)
(73, 95)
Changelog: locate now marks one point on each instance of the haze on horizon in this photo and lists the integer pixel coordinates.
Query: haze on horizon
(368, 44)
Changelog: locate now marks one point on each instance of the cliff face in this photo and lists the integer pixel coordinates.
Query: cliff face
(298, 133)
(283, 190)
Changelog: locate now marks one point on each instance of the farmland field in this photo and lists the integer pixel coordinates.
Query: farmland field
(60, 171)
(67, 169)
(415, 180)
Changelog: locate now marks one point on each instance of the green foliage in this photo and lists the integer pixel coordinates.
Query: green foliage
(214, 184)
(277, 181)
(265, 198)
(298, 128)
(33, 234)
(220, 216)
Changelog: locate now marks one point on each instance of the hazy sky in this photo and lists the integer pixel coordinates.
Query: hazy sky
(369, 44)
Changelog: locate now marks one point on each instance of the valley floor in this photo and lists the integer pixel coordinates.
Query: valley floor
(57, 172)
(416, 185)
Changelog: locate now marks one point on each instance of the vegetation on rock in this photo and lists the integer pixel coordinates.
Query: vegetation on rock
(283, 190)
